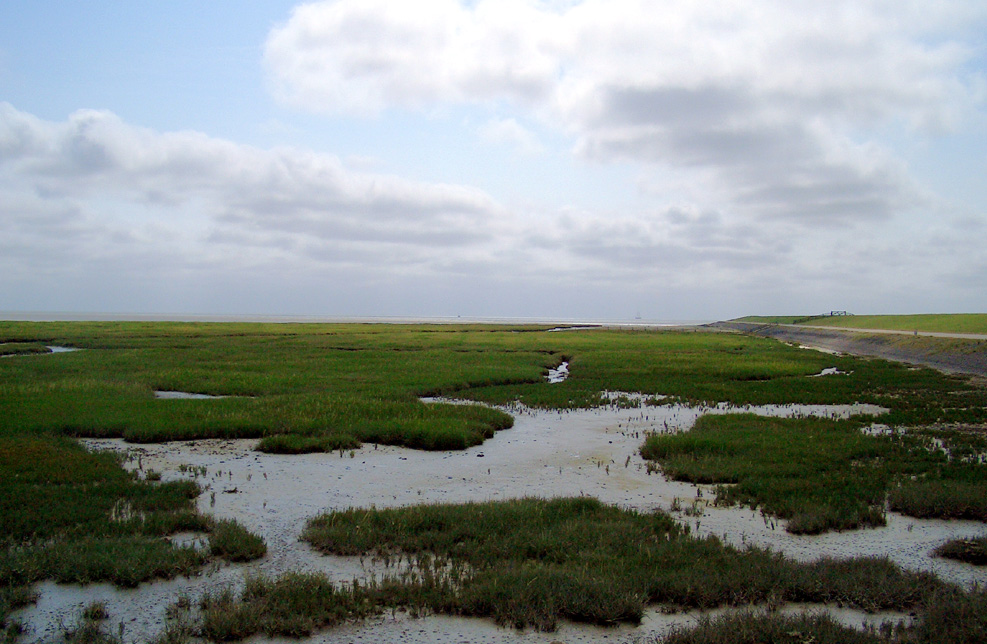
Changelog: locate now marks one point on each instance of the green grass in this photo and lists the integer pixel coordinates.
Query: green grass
(817, 474)
(532, 562)
(931, 322)
(939, 323)
(300, 388)
(294, 605)
(10, 349)
(231, 541)
(73, 516)
(972, 551)
(758, 628)
(822, 475)
(780, 319)
(949, 617)
(339, 385)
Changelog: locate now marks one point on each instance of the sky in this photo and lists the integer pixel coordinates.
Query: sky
(563, 159)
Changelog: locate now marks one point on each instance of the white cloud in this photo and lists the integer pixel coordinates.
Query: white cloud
(508, 131)
(97, 177)
(97, 212)
(364, 56)
(769, 102)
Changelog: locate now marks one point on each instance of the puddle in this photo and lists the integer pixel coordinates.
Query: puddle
(831, 352)
(183, 395)
(878, 429)
(830, 371)
(546, 454)
(51, 349)
(58, 349)
(834, 412)
(559, 374)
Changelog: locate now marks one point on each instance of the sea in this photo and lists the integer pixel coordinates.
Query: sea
(80, 316)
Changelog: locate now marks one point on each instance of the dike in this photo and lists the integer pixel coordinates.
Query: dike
(957, 356)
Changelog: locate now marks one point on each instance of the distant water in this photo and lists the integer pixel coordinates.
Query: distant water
(75, 316)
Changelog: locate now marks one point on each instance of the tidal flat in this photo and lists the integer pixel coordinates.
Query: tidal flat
(575, 438)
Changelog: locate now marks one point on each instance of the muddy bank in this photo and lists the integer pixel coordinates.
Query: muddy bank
(947, 355)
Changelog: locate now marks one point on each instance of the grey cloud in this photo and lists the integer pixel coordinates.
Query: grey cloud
(670, 106)
(771, 166)
(288, 192)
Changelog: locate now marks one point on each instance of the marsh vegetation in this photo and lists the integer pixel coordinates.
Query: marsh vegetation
(317, 388)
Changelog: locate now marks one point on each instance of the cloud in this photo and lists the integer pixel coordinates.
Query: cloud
(95, 159)
(97, 212)
(509, 131)
(771, 103)
(367, 55)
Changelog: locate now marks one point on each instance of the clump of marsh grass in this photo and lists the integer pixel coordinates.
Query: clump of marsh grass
(949, 616)
(95, 611)
(180, 625)
(293, 605)
(304, 444)
(942, 498)
(231, 541)
(818, 474)
(123, 561)
(91, 628)
(12, 597)
(972, 551)
(757, 628)
(533, 562)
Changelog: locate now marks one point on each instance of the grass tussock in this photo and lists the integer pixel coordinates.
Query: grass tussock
(294, 605)
(12, 597)
(972, 551)
(763, 628)
(939, 498)
(231, 541)
(817, 474)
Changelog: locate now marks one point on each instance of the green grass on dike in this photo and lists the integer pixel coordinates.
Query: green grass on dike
(931, 322)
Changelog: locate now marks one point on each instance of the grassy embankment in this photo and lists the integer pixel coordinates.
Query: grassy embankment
(929, 322)
(318, 387)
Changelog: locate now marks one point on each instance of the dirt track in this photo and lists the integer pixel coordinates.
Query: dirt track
(951, 355)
